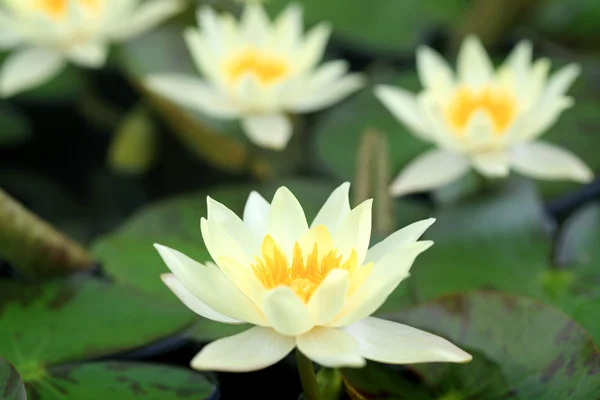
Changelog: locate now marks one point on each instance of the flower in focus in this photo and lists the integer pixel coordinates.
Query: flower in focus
(312, 287)
(49, 33)
(483, 118)
(257, 71)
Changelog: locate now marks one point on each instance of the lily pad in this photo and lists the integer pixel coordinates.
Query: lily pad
(523, 350)
(388, 27)
(11, 385)
(121, 381)
(79, 318)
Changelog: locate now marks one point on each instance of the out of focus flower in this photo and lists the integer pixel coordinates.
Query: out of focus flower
(485, 119)
(257, 71)
(46, 34)
(308, 287)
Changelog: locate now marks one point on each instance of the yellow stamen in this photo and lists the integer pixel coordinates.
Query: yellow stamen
(266, 67)
(498, 104)
(59, 8)
(304, 275)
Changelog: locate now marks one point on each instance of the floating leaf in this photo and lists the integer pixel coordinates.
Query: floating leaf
(11, 386)
(79, 318)
(121, 381)
(384, 27)
(523, 350)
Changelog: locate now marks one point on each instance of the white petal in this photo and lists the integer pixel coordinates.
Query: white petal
(431, 170)
(542, 117)
(313, 47)
(211, 287)
(146, 16)
(336, 207)
(91, 55)
(385, 277)
(238, 230)
(272, 131)
(254, 349)
(406, 235)
(434, 72)
(286, 313)
(561, 80)
(480, 130)
(193, 303)
(393, 343)
(330, 348)
(286, 222)
(474, 66)
(28, 68)
(403, 105)
(256, 214)
(288, 28)
(519, 63)
(255, 24)
(493, 164)
(192, 92)
(221, 243)
(546, 161)
(354, 232)
(329, 298)
(203, 55)
(327, 95)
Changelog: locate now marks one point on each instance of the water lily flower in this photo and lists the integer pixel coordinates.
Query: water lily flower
(311, 287)
(46, 34)
(258, 71)
(484, 118)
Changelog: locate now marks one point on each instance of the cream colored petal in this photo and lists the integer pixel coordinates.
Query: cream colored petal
(193, 303)
(329, 298)
(393, 343)
(25, 69)
(336, 207)
(492, 164)
(271, 131)
(327, 95)
(354, 232)
(286, 221)
(208, 21)
(192, 92)
(473, 64)
(434, 72)
(431, 170)
(403, 105)
(286, 313)
(238, 230)
(211, 287)
(220, 243)
(401, 237)
(480, 130)
(313, 47)
(256, 214)
(288, 28)
(543, 160)
(255, 24)
(542, 117)
(205, 58)
(385, 277)
(252, 350)
(149, 14)
(91, 55)
(330, 348)
(561, 80)
(519, 63)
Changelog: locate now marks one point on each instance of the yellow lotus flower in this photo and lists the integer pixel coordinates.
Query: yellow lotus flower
(312, 287)
(50, 33)
(485, 119)
(257, 71)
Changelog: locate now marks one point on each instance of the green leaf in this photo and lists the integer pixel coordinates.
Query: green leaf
(11, 386)
(523, 350)
(79, 318)
(15, 129)
(577, 19)
(386, 26)
(338, 132)
(120, 381)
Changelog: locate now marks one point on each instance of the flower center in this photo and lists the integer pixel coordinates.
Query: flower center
(308, 269)
(498, 104)
(59, 8)
(268, 68)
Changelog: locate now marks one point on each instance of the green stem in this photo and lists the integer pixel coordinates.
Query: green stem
(307, 377)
